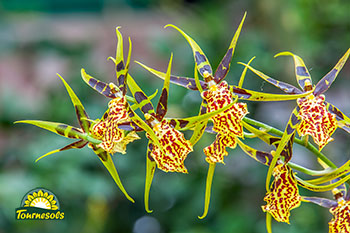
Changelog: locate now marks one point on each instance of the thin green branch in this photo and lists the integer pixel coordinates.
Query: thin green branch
(299, 141)
(309, 171)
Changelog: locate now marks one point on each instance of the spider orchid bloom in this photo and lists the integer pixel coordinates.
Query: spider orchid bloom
(113, 138)
(283, 196)
(216, 93)
(167, 147)
(313, 116)
(85, 136)
(339, 208)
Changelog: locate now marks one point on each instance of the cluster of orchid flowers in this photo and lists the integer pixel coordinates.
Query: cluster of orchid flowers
(221, 113)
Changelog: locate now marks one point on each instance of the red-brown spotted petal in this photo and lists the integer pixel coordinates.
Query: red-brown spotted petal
(174, 144)
(216, 152)
(284, 195)
(341, 218)
(316, 120)
(114, 139)
(229, 121)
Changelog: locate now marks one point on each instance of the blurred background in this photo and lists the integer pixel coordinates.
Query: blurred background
(41, 38)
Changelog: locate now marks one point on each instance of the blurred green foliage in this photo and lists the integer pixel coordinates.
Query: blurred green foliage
(39, 38)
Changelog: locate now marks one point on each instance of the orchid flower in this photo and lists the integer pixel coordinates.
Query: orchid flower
(216, 94)
(84, 134)
(113, 138)
(314, 116)
(167, 147)
(283, 196)
(339, 208)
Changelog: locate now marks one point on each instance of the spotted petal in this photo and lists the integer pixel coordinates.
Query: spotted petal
(217, 150)
(113, 138)
(229, 120)
(316, 120)
(175, 146)
(284, 195)
(341, 217)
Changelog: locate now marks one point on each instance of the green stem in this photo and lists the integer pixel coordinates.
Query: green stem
(278, 132)
(309, 171)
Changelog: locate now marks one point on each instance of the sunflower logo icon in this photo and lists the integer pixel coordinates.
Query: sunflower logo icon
(39, 203)
(41, 199)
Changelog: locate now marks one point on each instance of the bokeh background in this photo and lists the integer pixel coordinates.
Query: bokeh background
(40, 38)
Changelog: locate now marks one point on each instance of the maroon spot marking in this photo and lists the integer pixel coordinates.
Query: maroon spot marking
(120, 66)
(241, 93)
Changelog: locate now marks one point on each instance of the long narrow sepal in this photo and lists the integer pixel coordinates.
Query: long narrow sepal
(143, 125)
(61, 129)
(287, 134)
(301, 72)
(162, 106)
(108, 163)
(261, 96)
(209, 181)
(137, 105)
(75, 145)
(121, 67)
(99, 86)
(201, 60)
(196, 79)
(201, 126)
(185, 82)
(343, 121)
(329, 78)
(241, 79)
(130, 126)
(260, 156)
(150, 169)
(320, 201)
(261, 134)
(334, 174)
(198, 132)
(123, 83)
(224, 65)
(140, 97)
(321, 188)
(189, 122)
(119, 55)
(287, 88)
(79, 108)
